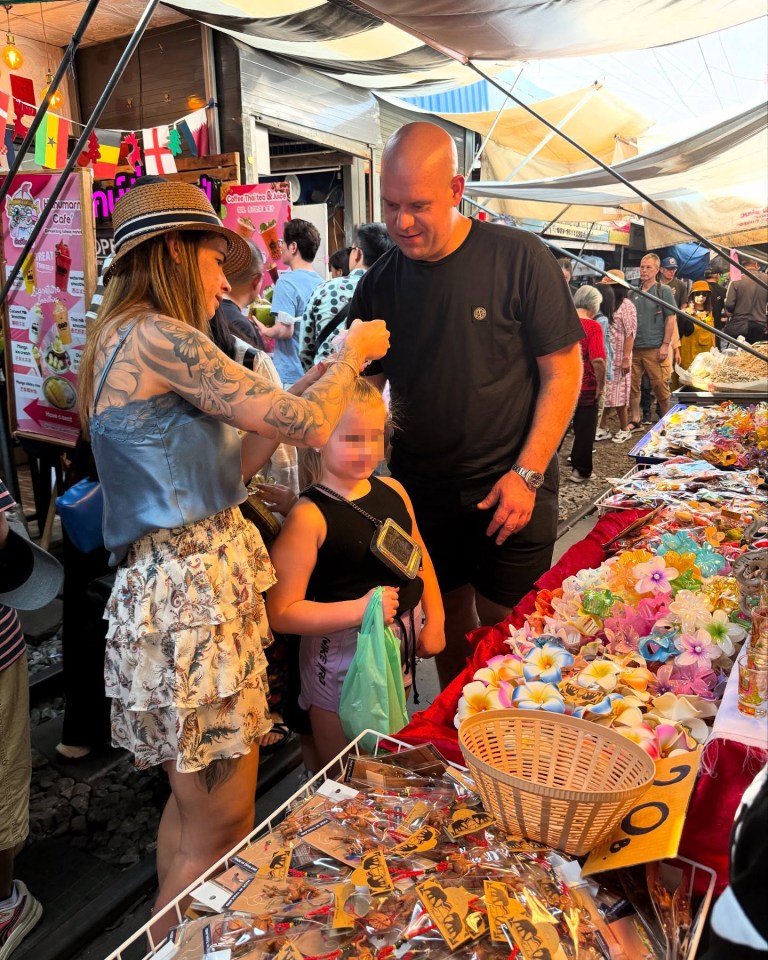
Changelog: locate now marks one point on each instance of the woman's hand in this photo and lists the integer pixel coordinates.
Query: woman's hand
(279, 498)
(369, 341)
(390, 599)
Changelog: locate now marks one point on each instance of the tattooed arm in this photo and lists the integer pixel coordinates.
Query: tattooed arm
(163, 354)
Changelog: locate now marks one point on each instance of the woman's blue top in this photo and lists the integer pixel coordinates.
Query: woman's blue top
(162, 464)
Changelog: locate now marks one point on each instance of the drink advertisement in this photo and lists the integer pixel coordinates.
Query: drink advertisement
(258, 212)
(45, 318)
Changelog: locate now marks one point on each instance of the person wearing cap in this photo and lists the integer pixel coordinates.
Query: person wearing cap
(667, 276)
(698, 340)
(622, 329)
(29, 579)
(746, 305)
(185, 665)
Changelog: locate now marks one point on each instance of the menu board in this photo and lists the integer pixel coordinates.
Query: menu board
(259, 212)
(44, 322)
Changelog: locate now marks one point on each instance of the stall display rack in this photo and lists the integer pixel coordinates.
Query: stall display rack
(165, 951)
(637, 451)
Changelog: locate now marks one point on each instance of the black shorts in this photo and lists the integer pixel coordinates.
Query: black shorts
(454, 532)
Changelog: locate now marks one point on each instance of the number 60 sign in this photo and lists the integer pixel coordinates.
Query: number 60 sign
(651, 830)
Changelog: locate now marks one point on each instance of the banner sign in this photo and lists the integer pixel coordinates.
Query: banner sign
(259, 212)
(45, 317)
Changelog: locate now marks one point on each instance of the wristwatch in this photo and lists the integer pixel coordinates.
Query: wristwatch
(533, 480)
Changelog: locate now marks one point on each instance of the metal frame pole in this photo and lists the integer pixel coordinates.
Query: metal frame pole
(66, 62)
(554, 129)
(748, 348)
(608, 169)
(122, 63)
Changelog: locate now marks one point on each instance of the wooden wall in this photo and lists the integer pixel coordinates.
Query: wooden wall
(164, 79)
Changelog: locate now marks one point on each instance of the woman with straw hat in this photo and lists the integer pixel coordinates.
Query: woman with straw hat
(185, 664)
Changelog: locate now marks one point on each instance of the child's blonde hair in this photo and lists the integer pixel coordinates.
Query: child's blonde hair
(310, 460)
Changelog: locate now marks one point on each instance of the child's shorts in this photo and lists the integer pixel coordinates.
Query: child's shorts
(324, 660)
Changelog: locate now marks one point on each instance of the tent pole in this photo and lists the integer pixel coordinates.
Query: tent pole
(609, 169)
(487, 137)
(122, 63)
(463, 59)
(748, 348)
(66, 62)
(554, 129)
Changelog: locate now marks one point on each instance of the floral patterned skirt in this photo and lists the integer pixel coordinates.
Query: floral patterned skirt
(185, 664)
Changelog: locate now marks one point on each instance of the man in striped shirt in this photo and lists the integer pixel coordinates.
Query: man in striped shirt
(29, 578)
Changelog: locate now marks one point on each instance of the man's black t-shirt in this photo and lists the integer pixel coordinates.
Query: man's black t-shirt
(465, 334)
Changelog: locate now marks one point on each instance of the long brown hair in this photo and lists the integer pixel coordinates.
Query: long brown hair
(146, 276)
(310, 460)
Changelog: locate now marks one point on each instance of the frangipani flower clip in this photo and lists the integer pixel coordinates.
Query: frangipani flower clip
(545, 662)
(475, 698)
(538, 696)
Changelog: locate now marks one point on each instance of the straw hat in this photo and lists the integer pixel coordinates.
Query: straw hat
(152, 209)
(617, 274)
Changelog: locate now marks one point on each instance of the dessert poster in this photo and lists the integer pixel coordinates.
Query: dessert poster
(45, 331)
(259, 212)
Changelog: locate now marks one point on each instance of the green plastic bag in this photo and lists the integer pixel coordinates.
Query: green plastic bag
(373, 694)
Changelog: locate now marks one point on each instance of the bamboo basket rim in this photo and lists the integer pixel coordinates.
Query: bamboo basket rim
(558, 793)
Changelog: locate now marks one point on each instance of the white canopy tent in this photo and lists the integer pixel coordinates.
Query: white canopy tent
(714, 181)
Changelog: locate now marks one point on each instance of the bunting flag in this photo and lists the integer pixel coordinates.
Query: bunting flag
(24, 103)
(194, 129)
(158, 159)
(133, 154)
(51, 142)
(5, 102)
(105, 165)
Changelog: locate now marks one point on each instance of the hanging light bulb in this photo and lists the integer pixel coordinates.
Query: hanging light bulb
(57, 99)
(13, 58)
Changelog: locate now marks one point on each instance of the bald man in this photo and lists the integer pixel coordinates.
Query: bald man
(485, 369)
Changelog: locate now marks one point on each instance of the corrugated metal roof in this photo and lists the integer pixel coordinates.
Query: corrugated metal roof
(470, 99)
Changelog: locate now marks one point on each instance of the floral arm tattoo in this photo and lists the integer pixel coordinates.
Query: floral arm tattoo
(191, 365)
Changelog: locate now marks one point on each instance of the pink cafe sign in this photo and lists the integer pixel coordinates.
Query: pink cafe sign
(45, 317)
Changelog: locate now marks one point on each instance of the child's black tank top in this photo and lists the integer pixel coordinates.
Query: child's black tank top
(346, 569)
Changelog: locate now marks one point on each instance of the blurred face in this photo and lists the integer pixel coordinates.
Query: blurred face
(648, 270)
(668, 273)
(210, 261)
(356, 446)
(419, 205)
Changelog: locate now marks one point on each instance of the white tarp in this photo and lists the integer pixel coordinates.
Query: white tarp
(350, 41)
(530, 29)
(714, 181)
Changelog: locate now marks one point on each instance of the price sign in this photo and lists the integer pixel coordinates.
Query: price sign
(651, 830)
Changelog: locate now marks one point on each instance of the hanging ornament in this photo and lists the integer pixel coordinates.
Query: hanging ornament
(174, 142)
(93, 148)
(134, 152)
(57, 99)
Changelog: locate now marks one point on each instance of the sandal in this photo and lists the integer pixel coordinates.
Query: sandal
(281, 731)
(634, 426)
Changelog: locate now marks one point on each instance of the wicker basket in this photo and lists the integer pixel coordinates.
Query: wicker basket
(563, 781)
